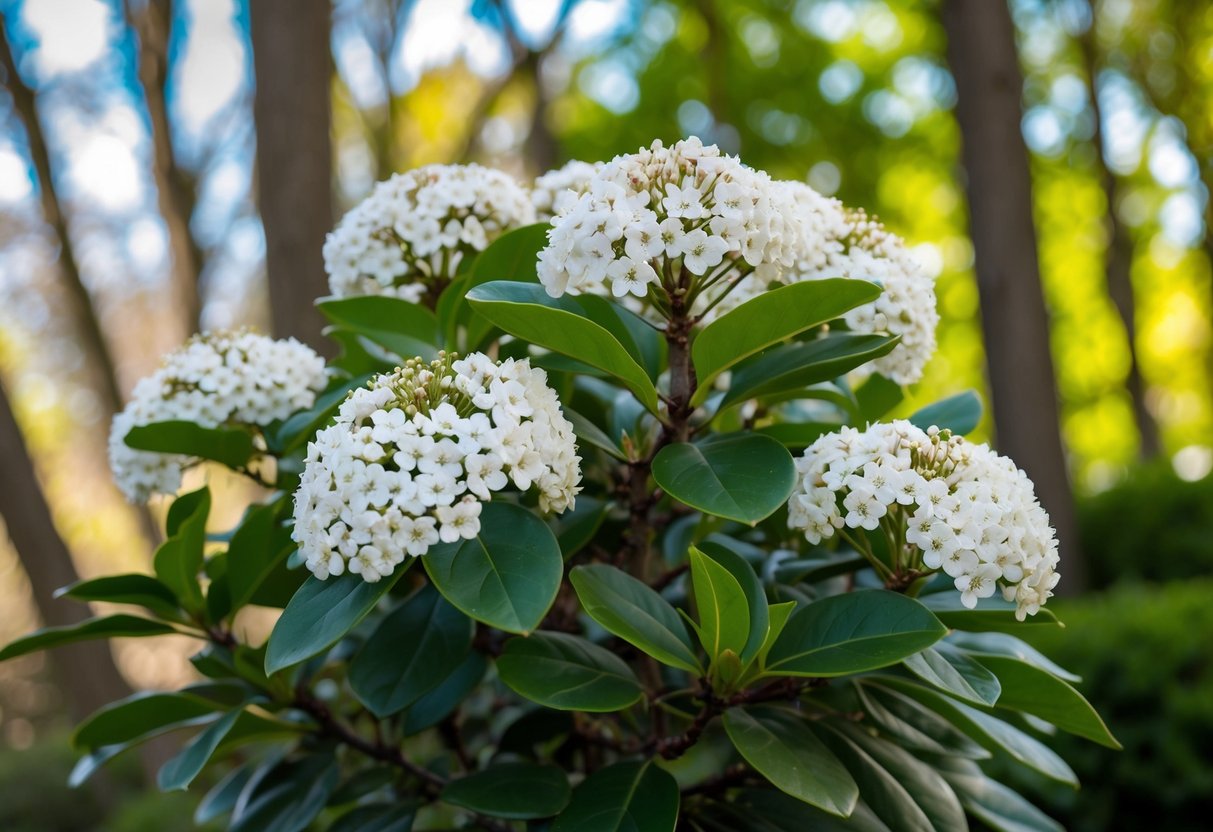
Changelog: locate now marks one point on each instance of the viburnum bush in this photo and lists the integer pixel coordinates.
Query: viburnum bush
(593, 525)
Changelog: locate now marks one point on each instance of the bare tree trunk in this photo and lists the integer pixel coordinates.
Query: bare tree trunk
(981, 52)
(175, 187)
(1118, 257)
(86, 671)
(292, 62)
(87, 325)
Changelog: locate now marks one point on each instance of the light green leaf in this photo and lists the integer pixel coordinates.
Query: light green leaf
(779, 615)
(1001, 644)
(956, 672)
(1029, 689)
(518, 791)
(740, 476)
(758, 616)
(624, 797)
(568, 673)
(507, 576)
(724, 617)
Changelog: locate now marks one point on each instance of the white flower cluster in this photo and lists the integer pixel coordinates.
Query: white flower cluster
(948, 504)
(557, 190)
(842, 242)
(413, 455)
(409, 236)
(215, 379)
(649, 217)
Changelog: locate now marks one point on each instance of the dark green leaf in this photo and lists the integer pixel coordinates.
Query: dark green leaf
(630, 609)
(802, 363)
(222, 798)
(507, 576)
(258, 546)
(567, 673)
(624, 797)
(991, 614)
(440, 702)
(232, 447)
(179, 559)
(518, 791)
(288, 798)
(915, 726)
(300, 428)
(740, 476)
(1001, 644)
(800, 434)
(321, 613)
(780, 746)
(956, 672)
(877, 396)
(110, 626)
(575, 529)
(407, 329)
(378, 817)
(525, 311)
(959, 414)
(141, 715)
(771, 317)
(853, 633)
(141, 590)
(181, 770)
(724, 616)
(1029, 689)
(590, 433)
(998, 807)
(778, 812)
(756, 599)
(411, 651)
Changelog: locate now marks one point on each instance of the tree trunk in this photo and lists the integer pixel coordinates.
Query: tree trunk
(85, 671)
(1118, 257)
(175, 187)
(292, 63)
(981, 52)
(88, 327)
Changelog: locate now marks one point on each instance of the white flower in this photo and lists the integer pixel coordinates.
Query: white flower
(408, 238)
(224, 378)
(557, 190)
(965, 510)
(448, 435)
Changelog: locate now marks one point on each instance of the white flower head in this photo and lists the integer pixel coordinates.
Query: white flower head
(222, 378)
(965, 510)
(409, 236)
(412, 457)
(557, 190)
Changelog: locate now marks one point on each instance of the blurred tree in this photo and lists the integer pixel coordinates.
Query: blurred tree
(293, 66)
(989, 85)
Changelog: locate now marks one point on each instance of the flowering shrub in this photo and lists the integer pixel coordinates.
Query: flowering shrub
(594, 526)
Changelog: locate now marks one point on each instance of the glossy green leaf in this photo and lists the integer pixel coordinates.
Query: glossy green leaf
(802, 363)
(568, 673)
(181, 770)
(773, 811)
(998, 807)
(377, 817)
(1029, 689)
(296, 431)
(518, 791)
(631, 610)
(740, 476)
(289, 797)
(413, 649)
(179, 559)
(991, 614)
(141, 715)
(914, 726)
(407, 329)
(779, 745)
(525, 311)
(321, 613)
(877, 396)
(757, 614)
(724, 616)
(575, 529)
(778, 615)
(771, 317)
(507, 576)
(800, 434)
(1001, 644)
(221, 799)
(624, 797)
(853, 633)
(140, 590)
(110, 626)
(440, 702)
(956, 672)
(591, 434)
(959, 414)
(258, 546)
(232, 447)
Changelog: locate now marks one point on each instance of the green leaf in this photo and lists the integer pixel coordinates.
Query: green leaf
(289, 797)
(441, 701)
(771, 317)
(232, 447)
(411, 651)
(110, 626)
(915, 726)
(1001, 644)
(758, 616)
(799, 435)
(990, 732)
(378, 817)
(140, 590)
(903, 792)
(258, 546)
(631, 610)
(1032, 690)
(739, 476)
(779, 615)
(568, 673)
(853, 633)
(877, 396)
(991, 614)
(507, 576)
(591, 434)
(996, 806)
(780, 746)
(407, 329)
(575, 529)
(778, 812)
(181, 770)
(959, 414)
(724, 616)
(802, 363)
(624, 797)
(139, 716)
(179, 559)
(221, 799)
(518, 791)
(956, 672)
(300, 428)
(321, 613)
(525, 311)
